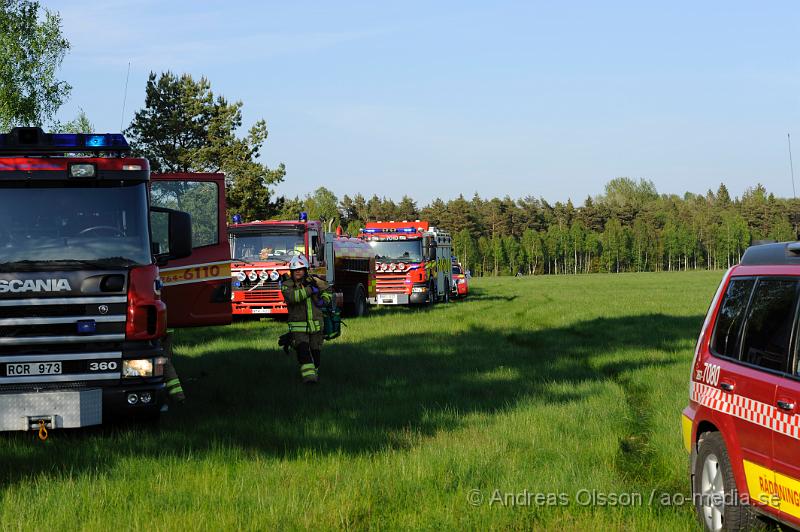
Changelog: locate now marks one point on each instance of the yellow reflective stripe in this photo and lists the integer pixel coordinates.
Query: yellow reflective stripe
(309, 311)
(298, 326)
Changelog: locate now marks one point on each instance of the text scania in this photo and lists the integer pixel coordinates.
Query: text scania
(34, 285)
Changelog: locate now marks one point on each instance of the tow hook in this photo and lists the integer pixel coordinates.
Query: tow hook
(41, 424)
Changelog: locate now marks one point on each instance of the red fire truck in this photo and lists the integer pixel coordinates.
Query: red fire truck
(262, 251)
(83, 306)
(413, 262)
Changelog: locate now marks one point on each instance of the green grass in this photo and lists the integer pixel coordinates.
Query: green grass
(544, 385)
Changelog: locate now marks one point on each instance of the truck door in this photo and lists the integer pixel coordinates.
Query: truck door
(197, 289)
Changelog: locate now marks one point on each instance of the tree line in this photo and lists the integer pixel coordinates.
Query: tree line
(628, 228)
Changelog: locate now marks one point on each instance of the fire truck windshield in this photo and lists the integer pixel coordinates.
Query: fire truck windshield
(397, 250)
(277, 245)
(73, 225)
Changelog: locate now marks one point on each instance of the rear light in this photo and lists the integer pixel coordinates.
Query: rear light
(132, 167)
(147, 314)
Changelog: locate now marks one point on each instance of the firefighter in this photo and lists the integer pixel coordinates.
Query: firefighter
(304, 295)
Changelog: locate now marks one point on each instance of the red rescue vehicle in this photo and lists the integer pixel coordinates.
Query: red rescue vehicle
(742, 425)
(262, 251)
(94, 250)
(460, 287)
(413, 262)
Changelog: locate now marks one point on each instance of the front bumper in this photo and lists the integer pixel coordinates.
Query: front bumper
(389, 299)
(251, 309)
(76, 408)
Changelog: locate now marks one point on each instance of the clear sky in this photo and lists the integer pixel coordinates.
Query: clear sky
(432, 99)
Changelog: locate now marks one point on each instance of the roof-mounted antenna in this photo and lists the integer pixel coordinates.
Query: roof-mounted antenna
(791, 165)
(125, 97)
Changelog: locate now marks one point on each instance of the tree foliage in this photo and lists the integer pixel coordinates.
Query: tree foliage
(184, 127)
(32, 48)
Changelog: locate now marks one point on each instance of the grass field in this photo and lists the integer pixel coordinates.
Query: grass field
(567, 386)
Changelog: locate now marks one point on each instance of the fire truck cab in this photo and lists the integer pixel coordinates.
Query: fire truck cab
(83, 307)
(262, 251)
(413, 262)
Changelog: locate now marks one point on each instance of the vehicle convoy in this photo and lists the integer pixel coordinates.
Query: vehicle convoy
(413, 262)
(83, 310)
(742, 425)
(262, 251)
(460, 286)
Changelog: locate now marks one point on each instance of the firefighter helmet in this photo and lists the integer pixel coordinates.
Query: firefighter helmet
(298, 263)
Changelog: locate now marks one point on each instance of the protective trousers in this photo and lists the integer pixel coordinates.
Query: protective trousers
(309, 354)
(173, 383)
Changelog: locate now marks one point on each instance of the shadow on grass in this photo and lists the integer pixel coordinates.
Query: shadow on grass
(376, 394)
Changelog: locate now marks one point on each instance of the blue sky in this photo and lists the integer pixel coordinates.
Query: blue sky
(432, 99)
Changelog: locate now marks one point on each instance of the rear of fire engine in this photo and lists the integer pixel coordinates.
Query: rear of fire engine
(81, 316)
(413, 262)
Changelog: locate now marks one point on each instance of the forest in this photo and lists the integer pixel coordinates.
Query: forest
(628, 228)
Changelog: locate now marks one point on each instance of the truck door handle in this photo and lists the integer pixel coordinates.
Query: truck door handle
(727, 386)
(785, 405)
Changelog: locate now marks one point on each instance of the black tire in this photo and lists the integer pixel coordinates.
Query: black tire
(716, 497)
(359, 307)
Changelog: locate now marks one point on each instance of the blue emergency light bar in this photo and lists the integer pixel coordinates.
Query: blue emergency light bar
(373, 230)
(34, 141)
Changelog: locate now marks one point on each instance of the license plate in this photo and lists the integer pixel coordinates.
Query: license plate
(262, 310)
(33, 368)
(388, 299)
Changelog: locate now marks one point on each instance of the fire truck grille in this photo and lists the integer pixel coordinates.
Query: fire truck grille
(41, 386)
(257, 286)
(391, 283)
(35, 325)
(263, 296)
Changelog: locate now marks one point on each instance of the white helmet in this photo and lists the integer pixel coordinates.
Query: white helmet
(298, 263)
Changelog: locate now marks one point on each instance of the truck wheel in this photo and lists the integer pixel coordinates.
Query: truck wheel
(359, 306)
(714, 490)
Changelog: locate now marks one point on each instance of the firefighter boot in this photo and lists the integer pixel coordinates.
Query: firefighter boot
(317, 355)
(175, 391)
(309, 374)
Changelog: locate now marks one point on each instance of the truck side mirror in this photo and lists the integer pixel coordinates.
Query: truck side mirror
(172, 234)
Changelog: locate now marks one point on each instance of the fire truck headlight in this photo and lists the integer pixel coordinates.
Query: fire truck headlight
(419, 289)
(241, 276)
(274, 275)
(137, 368)
(263, 275)
(253, 276)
